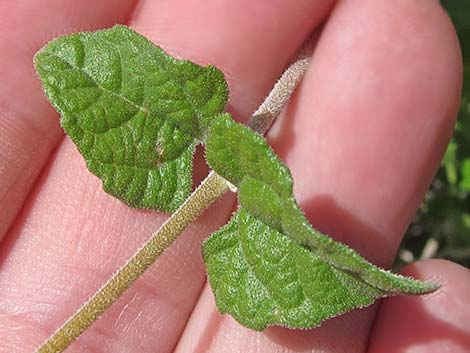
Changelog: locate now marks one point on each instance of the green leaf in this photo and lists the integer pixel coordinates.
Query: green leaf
(263, 278)
(134, 112)
(268, 265)
(465, 175)
(449, 162)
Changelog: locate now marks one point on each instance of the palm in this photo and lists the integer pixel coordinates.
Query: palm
(363, 137)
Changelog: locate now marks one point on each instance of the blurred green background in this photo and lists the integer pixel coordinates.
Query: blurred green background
(441, 228)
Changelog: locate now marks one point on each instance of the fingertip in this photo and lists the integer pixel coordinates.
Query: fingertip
(431, 323)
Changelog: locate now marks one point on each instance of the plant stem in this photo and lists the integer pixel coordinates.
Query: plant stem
(272, 106)
(207, 192)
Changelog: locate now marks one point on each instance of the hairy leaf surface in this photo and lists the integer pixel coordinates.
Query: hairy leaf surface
(268, 265)
(134, 112)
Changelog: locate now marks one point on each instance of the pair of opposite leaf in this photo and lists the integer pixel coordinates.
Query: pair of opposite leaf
(136, 115)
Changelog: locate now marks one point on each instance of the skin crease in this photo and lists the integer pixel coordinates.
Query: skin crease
(29, 132)
(376, 109)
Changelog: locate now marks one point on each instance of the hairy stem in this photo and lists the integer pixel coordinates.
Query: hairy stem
(210, 190)
(207, 192)
(272, 106)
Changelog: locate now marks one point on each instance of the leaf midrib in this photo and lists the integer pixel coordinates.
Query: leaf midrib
(143, 109)
(112, 93)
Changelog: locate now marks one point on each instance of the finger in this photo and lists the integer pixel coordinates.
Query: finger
(433, 323)
(80, 235)
(363, 137)
(29, 128)
(373, 120)
(252, 44)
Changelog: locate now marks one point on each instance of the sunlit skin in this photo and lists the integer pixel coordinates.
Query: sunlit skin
(363, 136)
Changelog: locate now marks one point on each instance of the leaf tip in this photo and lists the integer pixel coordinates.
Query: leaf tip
(429, 287)
(409, 285)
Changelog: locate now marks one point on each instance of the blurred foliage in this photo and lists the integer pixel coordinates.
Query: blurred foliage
(441, 228)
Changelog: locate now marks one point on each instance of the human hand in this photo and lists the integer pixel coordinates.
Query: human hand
(363, 136)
